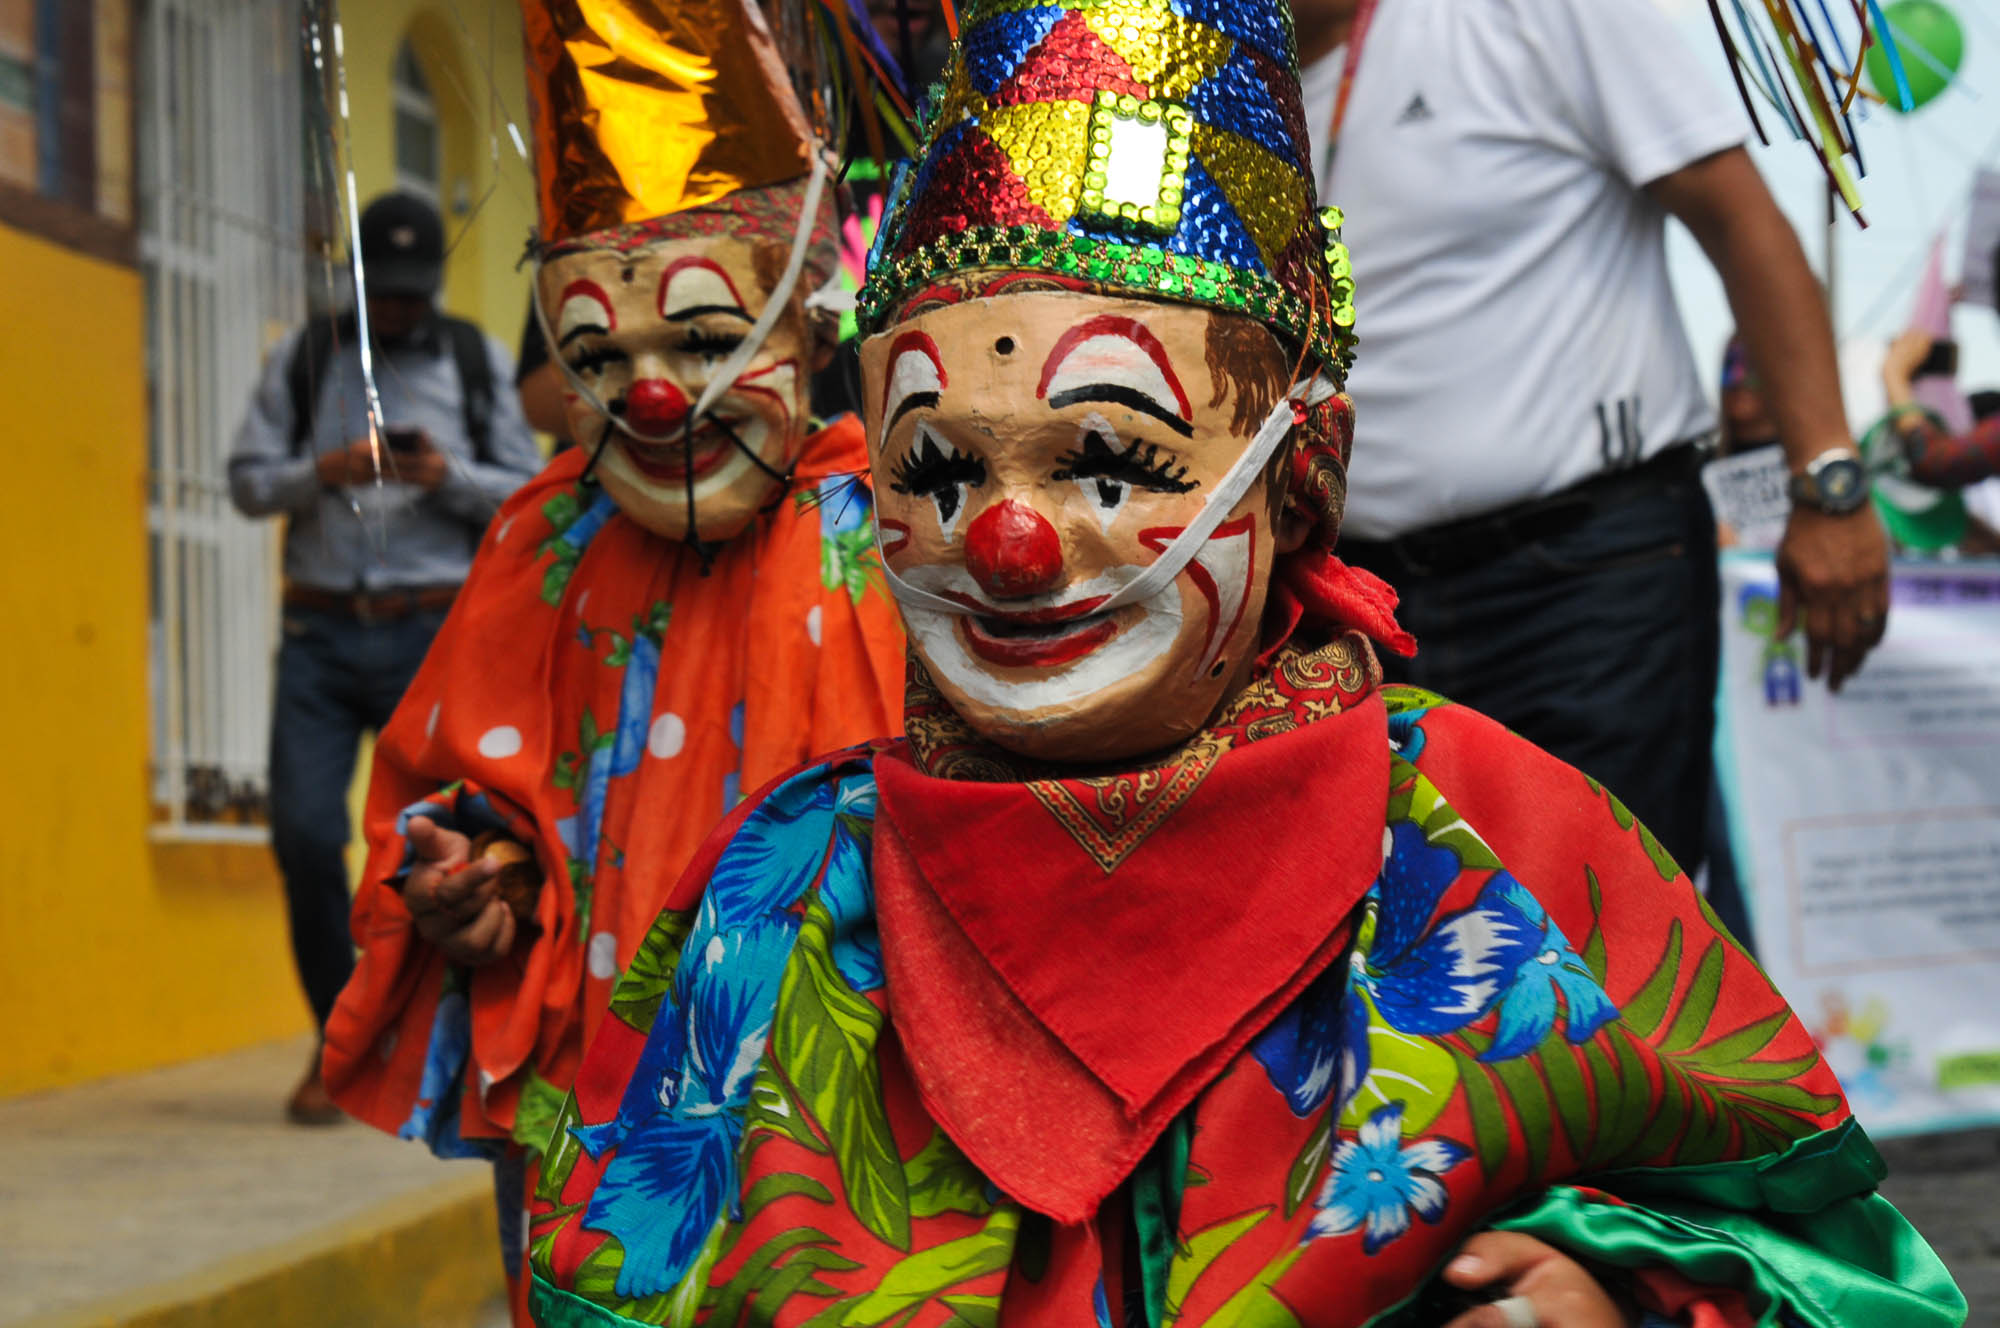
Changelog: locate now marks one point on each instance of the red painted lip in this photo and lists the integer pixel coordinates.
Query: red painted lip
(1045, 651)
(1083, 608)
(667, 461)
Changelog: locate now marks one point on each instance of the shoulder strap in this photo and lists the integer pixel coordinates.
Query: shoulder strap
(475, 384)
(305, 372)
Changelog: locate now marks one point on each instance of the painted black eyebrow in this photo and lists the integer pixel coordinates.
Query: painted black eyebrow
(579, 330)
(700, 310)
(914, 401)
(1122, 396)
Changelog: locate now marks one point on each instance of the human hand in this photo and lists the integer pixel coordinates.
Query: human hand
(1833, 572)
(355, 463)
(425, 465)
(1900, 361)
(1558, 1291)
(454, 899)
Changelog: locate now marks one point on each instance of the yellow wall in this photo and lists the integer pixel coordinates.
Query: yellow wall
(118, 953)
(121, 953)
(470, 51)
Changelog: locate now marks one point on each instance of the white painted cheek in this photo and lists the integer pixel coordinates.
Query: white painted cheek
(1227, 563)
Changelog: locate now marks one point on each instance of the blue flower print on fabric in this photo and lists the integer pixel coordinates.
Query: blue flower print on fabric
(732, 783)
(679, 1125)
(1528, 1005)
(1436, 976)
(848, 891)
(1430, 975)
(580, 532)
(434, 1118)
(1406, 733)
(1376, 1182)
(843, 505)
(581, 833)
(1303, 1049)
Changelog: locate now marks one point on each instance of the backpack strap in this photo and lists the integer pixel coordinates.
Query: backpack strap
(475, 384)
(305, 372)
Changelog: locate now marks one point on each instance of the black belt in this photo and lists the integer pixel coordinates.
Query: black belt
(367, 607)
(1460, 545)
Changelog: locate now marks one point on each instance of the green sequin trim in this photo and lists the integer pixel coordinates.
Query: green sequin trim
(1140, 270)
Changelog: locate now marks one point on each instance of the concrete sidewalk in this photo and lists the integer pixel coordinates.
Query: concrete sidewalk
(183, 1197)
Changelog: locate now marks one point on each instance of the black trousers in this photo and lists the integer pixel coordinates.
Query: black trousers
(1597, 643)
(337, 678)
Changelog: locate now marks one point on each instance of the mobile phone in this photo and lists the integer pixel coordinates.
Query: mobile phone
(1942, 362)
(404, 441)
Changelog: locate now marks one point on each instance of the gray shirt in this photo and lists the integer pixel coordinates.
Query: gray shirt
(380, 536)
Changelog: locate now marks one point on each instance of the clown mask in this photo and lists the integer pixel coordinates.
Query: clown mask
(1034, 453)
(644, 322)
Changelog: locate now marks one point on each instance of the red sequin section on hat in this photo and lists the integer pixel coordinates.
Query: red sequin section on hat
(971, 185)
(1072, 63)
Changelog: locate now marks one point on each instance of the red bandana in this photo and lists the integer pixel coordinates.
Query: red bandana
(1072, 959)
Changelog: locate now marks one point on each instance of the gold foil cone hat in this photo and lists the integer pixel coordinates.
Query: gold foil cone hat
(645, 108)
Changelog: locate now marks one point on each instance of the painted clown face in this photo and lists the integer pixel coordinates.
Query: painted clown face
(646, 327)
(1033, 453)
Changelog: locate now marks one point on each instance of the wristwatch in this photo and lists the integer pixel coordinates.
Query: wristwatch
(1834, 482)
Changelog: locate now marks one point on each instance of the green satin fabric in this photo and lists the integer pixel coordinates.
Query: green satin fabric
(1800, 1231)
(1156, 1188)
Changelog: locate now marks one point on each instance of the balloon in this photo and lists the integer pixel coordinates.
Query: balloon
(1939, 45)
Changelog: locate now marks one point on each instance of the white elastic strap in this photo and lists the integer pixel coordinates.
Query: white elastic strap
(779, 299)
(832, 297)
(1177, 555)
(725, 376)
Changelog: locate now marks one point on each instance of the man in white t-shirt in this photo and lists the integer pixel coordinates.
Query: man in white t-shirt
(1528, 413)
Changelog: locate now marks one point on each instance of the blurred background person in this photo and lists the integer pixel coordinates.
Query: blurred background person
(372, 558)
(539, 381)
(1529, 417)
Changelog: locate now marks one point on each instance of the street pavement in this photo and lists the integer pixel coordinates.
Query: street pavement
(114, 1187)
(1948, 1185)
(120, 1186)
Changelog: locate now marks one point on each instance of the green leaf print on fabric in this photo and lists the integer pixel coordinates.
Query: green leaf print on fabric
(1416, 1071)
(941, 1180)
(538, 1111)
(1663, 861)
(1308, 1169)
(926, 1275)
(1199, 1253)
(636, 998)
(848, 562)
(561, 512)
(824, 1035)
(768, 1278)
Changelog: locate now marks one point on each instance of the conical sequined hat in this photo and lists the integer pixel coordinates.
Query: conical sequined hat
(648, 108)
(1154, 148)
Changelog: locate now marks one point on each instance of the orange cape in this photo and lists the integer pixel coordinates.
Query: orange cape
(588, 670)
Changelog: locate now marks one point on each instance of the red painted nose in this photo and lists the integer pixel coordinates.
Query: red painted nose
(655, 406)
(1011, 551)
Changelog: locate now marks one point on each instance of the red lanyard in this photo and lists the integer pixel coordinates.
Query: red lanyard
(1364, 14)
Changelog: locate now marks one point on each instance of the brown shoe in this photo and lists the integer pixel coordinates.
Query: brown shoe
(310, 1103)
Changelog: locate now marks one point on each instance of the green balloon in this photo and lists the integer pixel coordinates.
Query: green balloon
(1933, 28)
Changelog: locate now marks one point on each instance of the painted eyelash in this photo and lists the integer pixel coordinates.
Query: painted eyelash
(927, 469)
(708, 343)
(596, 359)
(1142, 467)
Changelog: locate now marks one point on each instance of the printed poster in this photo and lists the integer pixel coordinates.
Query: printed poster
(1866, 829)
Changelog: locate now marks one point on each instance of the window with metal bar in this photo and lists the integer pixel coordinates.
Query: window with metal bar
(221, 200)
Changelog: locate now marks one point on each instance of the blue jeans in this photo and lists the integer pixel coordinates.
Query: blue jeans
(1597, 644)
(337, 678)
